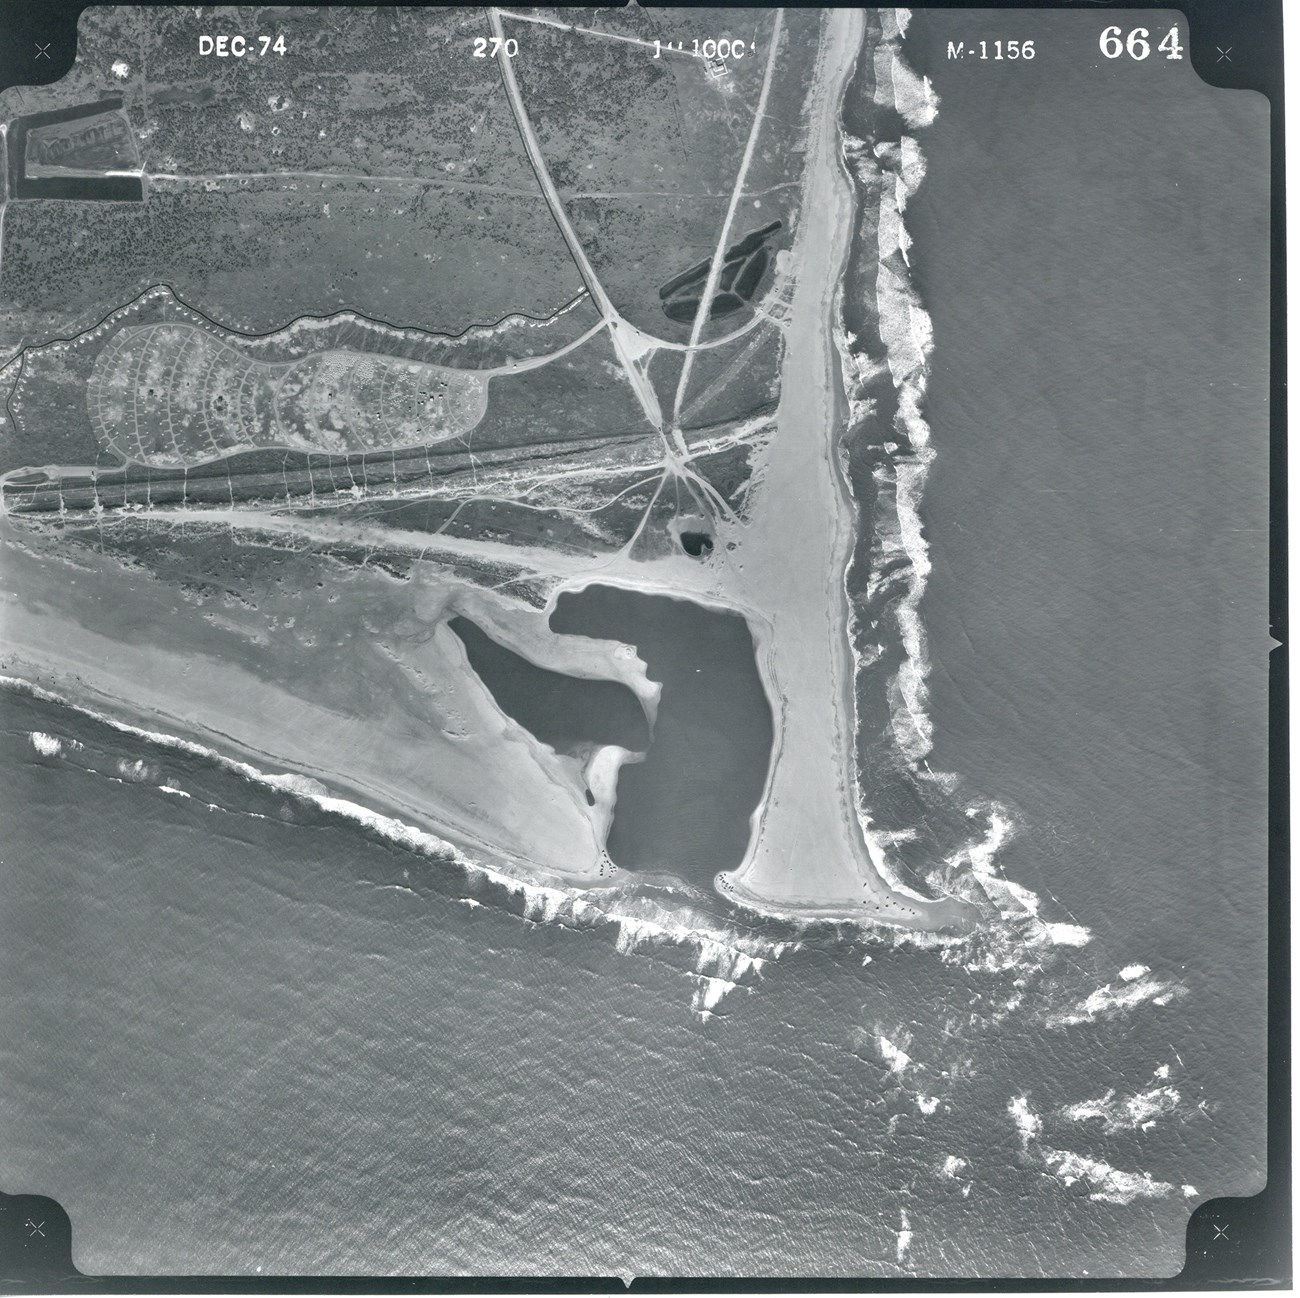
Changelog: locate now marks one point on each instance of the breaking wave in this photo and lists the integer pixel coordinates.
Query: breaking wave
(1137, 1112)
(1112, 999)
(892, 367)
(46, 745)
(1105, 1184)
(722, 956)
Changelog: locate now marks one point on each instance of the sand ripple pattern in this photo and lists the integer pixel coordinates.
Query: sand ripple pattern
(174, 395)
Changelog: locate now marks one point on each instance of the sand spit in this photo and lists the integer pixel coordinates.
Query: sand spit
(810, 857)
(722, 958)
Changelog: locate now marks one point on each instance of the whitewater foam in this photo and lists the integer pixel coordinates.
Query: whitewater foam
(1105, 1183)
(1136, 1112)
(46, 745)
(904, 1235)
(1113, 999)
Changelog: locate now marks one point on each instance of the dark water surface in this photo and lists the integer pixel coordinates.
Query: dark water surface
(86, 188)
(1095, 263)
(686, 808)
(563, 711)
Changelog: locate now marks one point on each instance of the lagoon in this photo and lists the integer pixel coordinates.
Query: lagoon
(686, 809)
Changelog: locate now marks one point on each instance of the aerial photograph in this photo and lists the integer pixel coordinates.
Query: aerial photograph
(633, 642)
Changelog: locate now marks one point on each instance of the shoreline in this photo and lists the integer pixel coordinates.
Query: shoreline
(258, 765)
(634, 902)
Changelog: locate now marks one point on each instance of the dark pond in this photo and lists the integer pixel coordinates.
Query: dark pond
(686, 808)
(566, 712)
(743, 267)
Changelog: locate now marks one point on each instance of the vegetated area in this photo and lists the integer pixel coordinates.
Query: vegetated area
(564, 420)
(157, 398)
(355, 284)
(645, 151)
(256, 257)
(556, 530)
(48, 411)
(612, 118)
(660, 505)
(631, 243)
(731, 468)
(358, 91)
(569, 500)
(46, 420)
(582, 394)
(576, 497)
(322, 623)
(735, 380)
(370, 91)
(176, 394)
(776, 168)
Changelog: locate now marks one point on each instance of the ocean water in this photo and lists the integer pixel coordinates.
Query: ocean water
(245, 1033)
(1097, 512)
